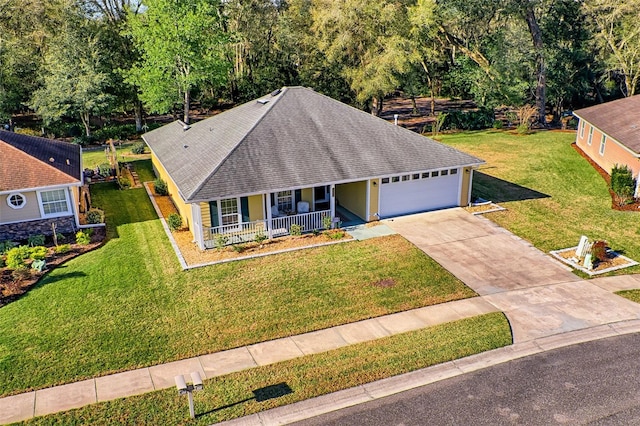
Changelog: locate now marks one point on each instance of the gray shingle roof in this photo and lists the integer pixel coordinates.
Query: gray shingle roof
(66, 156)
(619, 119)
(299, 138)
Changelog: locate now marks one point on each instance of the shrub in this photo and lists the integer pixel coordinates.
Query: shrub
(36, 240)
(84, 140)
(21, 273)
(29, 132)
(316, 232)
(599, 251)
(5, 246)
(94, 216)
(115, 131)
(260, 237)
(498, 124)
(483, 118)
(16, 257)
(522, 129)
(295, 229)
(38, 252)
(336, 235)
(326, 222)
(138, 148)
(174, 221)
(220, 240)
(160, 187)
(2, 262)
(62, 248)
(239, 248)
(124, 182)
(83, 238)
(104, 169)
(622, 184)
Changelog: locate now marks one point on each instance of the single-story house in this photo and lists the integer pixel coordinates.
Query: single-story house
(297, 157)
(40, 184)
(609, 133)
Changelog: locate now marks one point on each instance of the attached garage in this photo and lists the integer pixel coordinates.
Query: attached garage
(418, 192)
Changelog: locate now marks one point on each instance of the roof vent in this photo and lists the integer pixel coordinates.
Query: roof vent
(51, 159)
(263, 101)
(68, 162)
(185, 146)
(276, 92)
(185, 126)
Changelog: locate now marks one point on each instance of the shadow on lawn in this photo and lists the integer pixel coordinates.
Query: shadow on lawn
(259, 395)
(499, 191)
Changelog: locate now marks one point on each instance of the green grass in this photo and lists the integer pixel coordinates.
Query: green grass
(552, 194)
(129, 304)
(92, 158)
(232, 395)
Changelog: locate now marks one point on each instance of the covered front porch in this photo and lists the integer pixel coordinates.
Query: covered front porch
(257, 217)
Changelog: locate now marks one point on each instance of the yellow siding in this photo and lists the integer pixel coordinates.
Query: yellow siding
(466, 180)
(307, 195)
(374, 195)
(30, 210)
(205, 214)
(183, 208)
(256, 211)
(353, 197)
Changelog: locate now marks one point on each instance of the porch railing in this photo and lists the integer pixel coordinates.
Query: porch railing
(246, 232)
(307, 221)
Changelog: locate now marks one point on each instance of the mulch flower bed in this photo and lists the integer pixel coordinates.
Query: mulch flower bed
(613, 261)
(14, 285)
(634, 206)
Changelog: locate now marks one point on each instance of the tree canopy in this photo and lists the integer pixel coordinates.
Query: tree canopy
(74, 59)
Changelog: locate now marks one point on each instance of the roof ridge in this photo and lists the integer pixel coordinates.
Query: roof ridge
(279, 93)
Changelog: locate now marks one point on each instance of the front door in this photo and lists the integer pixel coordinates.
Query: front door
(321, 197)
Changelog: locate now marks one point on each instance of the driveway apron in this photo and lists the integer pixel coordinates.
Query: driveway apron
(540, 296)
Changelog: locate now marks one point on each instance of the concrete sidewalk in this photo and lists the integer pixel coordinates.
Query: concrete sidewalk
(74, 395)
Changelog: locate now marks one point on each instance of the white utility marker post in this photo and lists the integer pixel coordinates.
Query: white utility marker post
(183, 387)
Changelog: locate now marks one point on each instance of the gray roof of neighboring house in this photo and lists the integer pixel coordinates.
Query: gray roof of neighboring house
(619, 119)
(63, 156)
(293, 138)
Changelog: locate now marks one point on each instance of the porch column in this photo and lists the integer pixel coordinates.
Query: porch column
(267, 203)
(332, 201)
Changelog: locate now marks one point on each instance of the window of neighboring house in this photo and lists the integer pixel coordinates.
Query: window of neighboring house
(54, 203)
(603, 141)
(581, 129)
(229, 211)
(284, 201)
(16, 200)
(590, 136)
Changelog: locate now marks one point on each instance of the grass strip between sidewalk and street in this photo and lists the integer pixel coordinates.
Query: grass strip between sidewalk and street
(232, 396)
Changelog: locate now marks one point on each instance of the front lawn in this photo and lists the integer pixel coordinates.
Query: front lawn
(552, 194)
(233, 395)
(129, 304)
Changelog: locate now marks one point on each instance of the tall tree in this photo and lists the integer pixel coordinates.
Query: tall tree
(75, 79)
(617, 34)
(181, 43)
(369, 41)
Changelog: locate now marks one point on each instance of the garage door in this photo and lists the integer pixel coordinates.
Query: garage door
(419, 192)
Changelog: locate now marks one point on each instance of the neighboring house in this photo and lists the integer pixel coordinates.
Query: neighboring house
(609, 133)
(40, 184)
(295, 157)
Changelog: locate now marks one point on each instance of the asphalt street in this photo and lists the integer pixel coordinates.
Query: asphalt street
(596, 383)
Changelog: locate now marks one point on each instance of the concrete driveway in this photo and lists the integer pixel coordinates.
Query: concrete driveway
(540, 296)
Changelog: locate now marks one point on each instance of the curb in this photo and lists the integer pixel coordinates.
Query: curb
(393, 385)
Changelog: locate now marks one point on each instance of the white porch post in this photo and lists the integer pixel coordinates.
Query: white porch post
(196, 220)
(470, 185)
(267, 202)
(332, 200)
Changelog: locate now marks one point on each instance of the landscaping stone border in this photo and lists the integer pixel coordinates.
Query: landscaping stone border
(591, 273)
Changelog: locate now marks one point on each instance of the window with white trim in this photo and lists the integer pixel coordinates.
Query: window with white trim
(435, 174)
(444, 173)
(385, 180)
(395, 179)
(454, 171)
(16, 200)
(590, 139)
(284, 201)
(425, 175)
(581, 129)
(603, 142)
(229, 212)
(54, 203)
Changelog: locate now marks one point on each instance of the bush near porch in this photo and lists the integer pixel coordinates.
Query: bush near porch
(552, 194)
(129, 304)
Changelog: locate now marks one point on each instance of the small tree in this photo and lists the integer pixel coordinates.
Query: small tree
(525, 115)
(622, 184)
